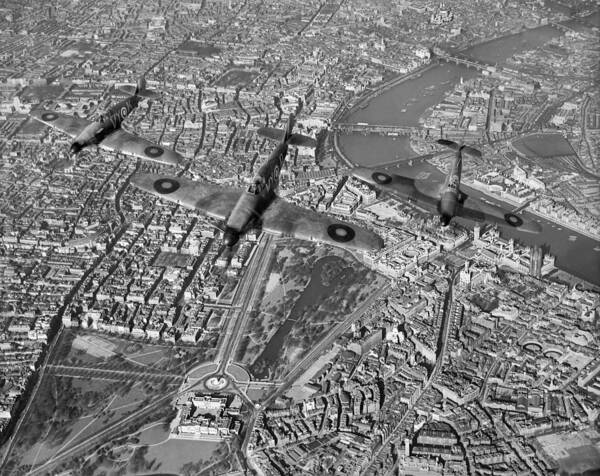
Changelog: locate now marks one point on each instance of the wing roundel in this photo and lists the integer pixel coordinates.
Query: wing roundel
(166, 185)
(154, 151)
(130, 144)
(210, 199)
(381, 178)
(341, 232)
(513, 220)
(485, 212)
(286, 219)
(49, 116)
(70, 125)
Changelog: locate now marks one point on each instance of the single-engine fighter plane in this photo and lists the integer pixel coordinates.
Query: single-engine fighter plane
(259, 207)
(106, 131)
(445, 197)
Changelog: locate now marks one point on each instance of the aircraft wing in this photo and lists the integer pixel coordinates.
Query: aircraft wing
(70, 125)
(129, 144)
(424, 192)
(271, 133)
(479, 211)
(278, 135)
(213, 200)
(286, 219)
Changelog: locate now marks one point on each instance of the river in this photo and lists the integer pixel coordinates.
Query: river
(406, 102)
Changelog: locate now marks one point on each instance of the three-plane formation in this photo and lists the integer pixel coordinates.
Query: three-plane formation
(259, 207)
(106, 131)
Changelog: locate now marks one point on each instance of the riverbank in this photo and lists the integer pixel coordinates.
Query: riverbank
(404, 100)
(531, 210)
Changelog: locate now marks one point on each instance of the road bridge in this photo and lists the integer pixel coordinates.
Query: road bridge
(381, 129)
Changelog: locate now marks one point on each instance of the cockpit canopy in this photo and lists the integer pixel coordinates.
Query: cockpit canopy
(257, 185)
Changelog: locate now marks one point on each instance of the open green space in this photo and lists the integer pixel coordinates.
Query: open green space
(90, 349)
(67, 411)
(543, 145)
(574, 453)
(307, 291)
(236, 77)
(257, 395)
(132, 456)
(549, 151)
(285, 279)
(197, 48)
(75, 403)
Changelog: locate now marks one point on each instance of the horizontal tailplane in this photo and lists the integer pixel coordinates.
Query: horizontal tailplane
(294, 139)
(460, 147)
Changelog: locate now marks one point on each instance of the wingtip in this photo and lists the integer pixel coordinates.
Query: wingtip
(178, 161)
(373, 243)
(531, 227)
(136, 180)
(518, 222)
(373, 246)
(361, 173)
(143, 181)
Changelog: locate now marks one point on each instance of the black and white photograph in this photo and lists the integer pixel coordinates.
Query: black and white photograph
(282, 237)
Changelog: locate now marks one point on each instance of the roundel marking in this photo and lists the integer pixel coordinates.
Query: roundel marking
(513, 220)
(49, 116)
(381, 178)
(123, 112)
(153, 151)
(166, 185)
(340, 233)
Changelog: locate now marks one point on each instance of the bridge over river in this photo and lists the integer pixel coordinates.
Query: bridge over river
(459, 59)
(381, 129)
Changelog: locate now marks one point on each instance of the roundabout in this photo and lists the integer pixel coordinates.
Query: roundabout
(216, 382)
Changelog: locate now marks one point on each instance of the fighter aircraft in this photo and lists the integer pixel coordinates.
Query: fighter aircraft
(259, 207)
(446, 197)
(106, 131)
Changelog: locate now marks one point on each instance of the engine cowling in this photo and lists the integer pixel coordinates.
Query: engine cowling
(230, 237)
(445, 219)
(76, 147)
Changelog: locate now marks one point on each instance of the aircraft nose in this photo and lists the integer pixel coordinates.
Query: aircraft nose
(75, 147)
(230, 237)
(445, 219)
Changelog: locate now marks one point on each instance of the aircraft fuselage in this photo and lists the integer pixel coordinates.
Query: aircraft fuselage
(257, 198)
(449, 198)
(107, 123)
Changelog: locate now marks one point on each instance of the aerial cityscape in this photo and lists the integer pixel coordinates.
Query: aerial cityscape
(329, 237)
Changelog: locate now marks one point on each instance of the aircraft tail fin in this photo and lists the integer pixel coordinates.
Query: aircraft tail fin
(289, 127)
(141, 85)
(142, 91)
(460, 148)
(287, 134)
